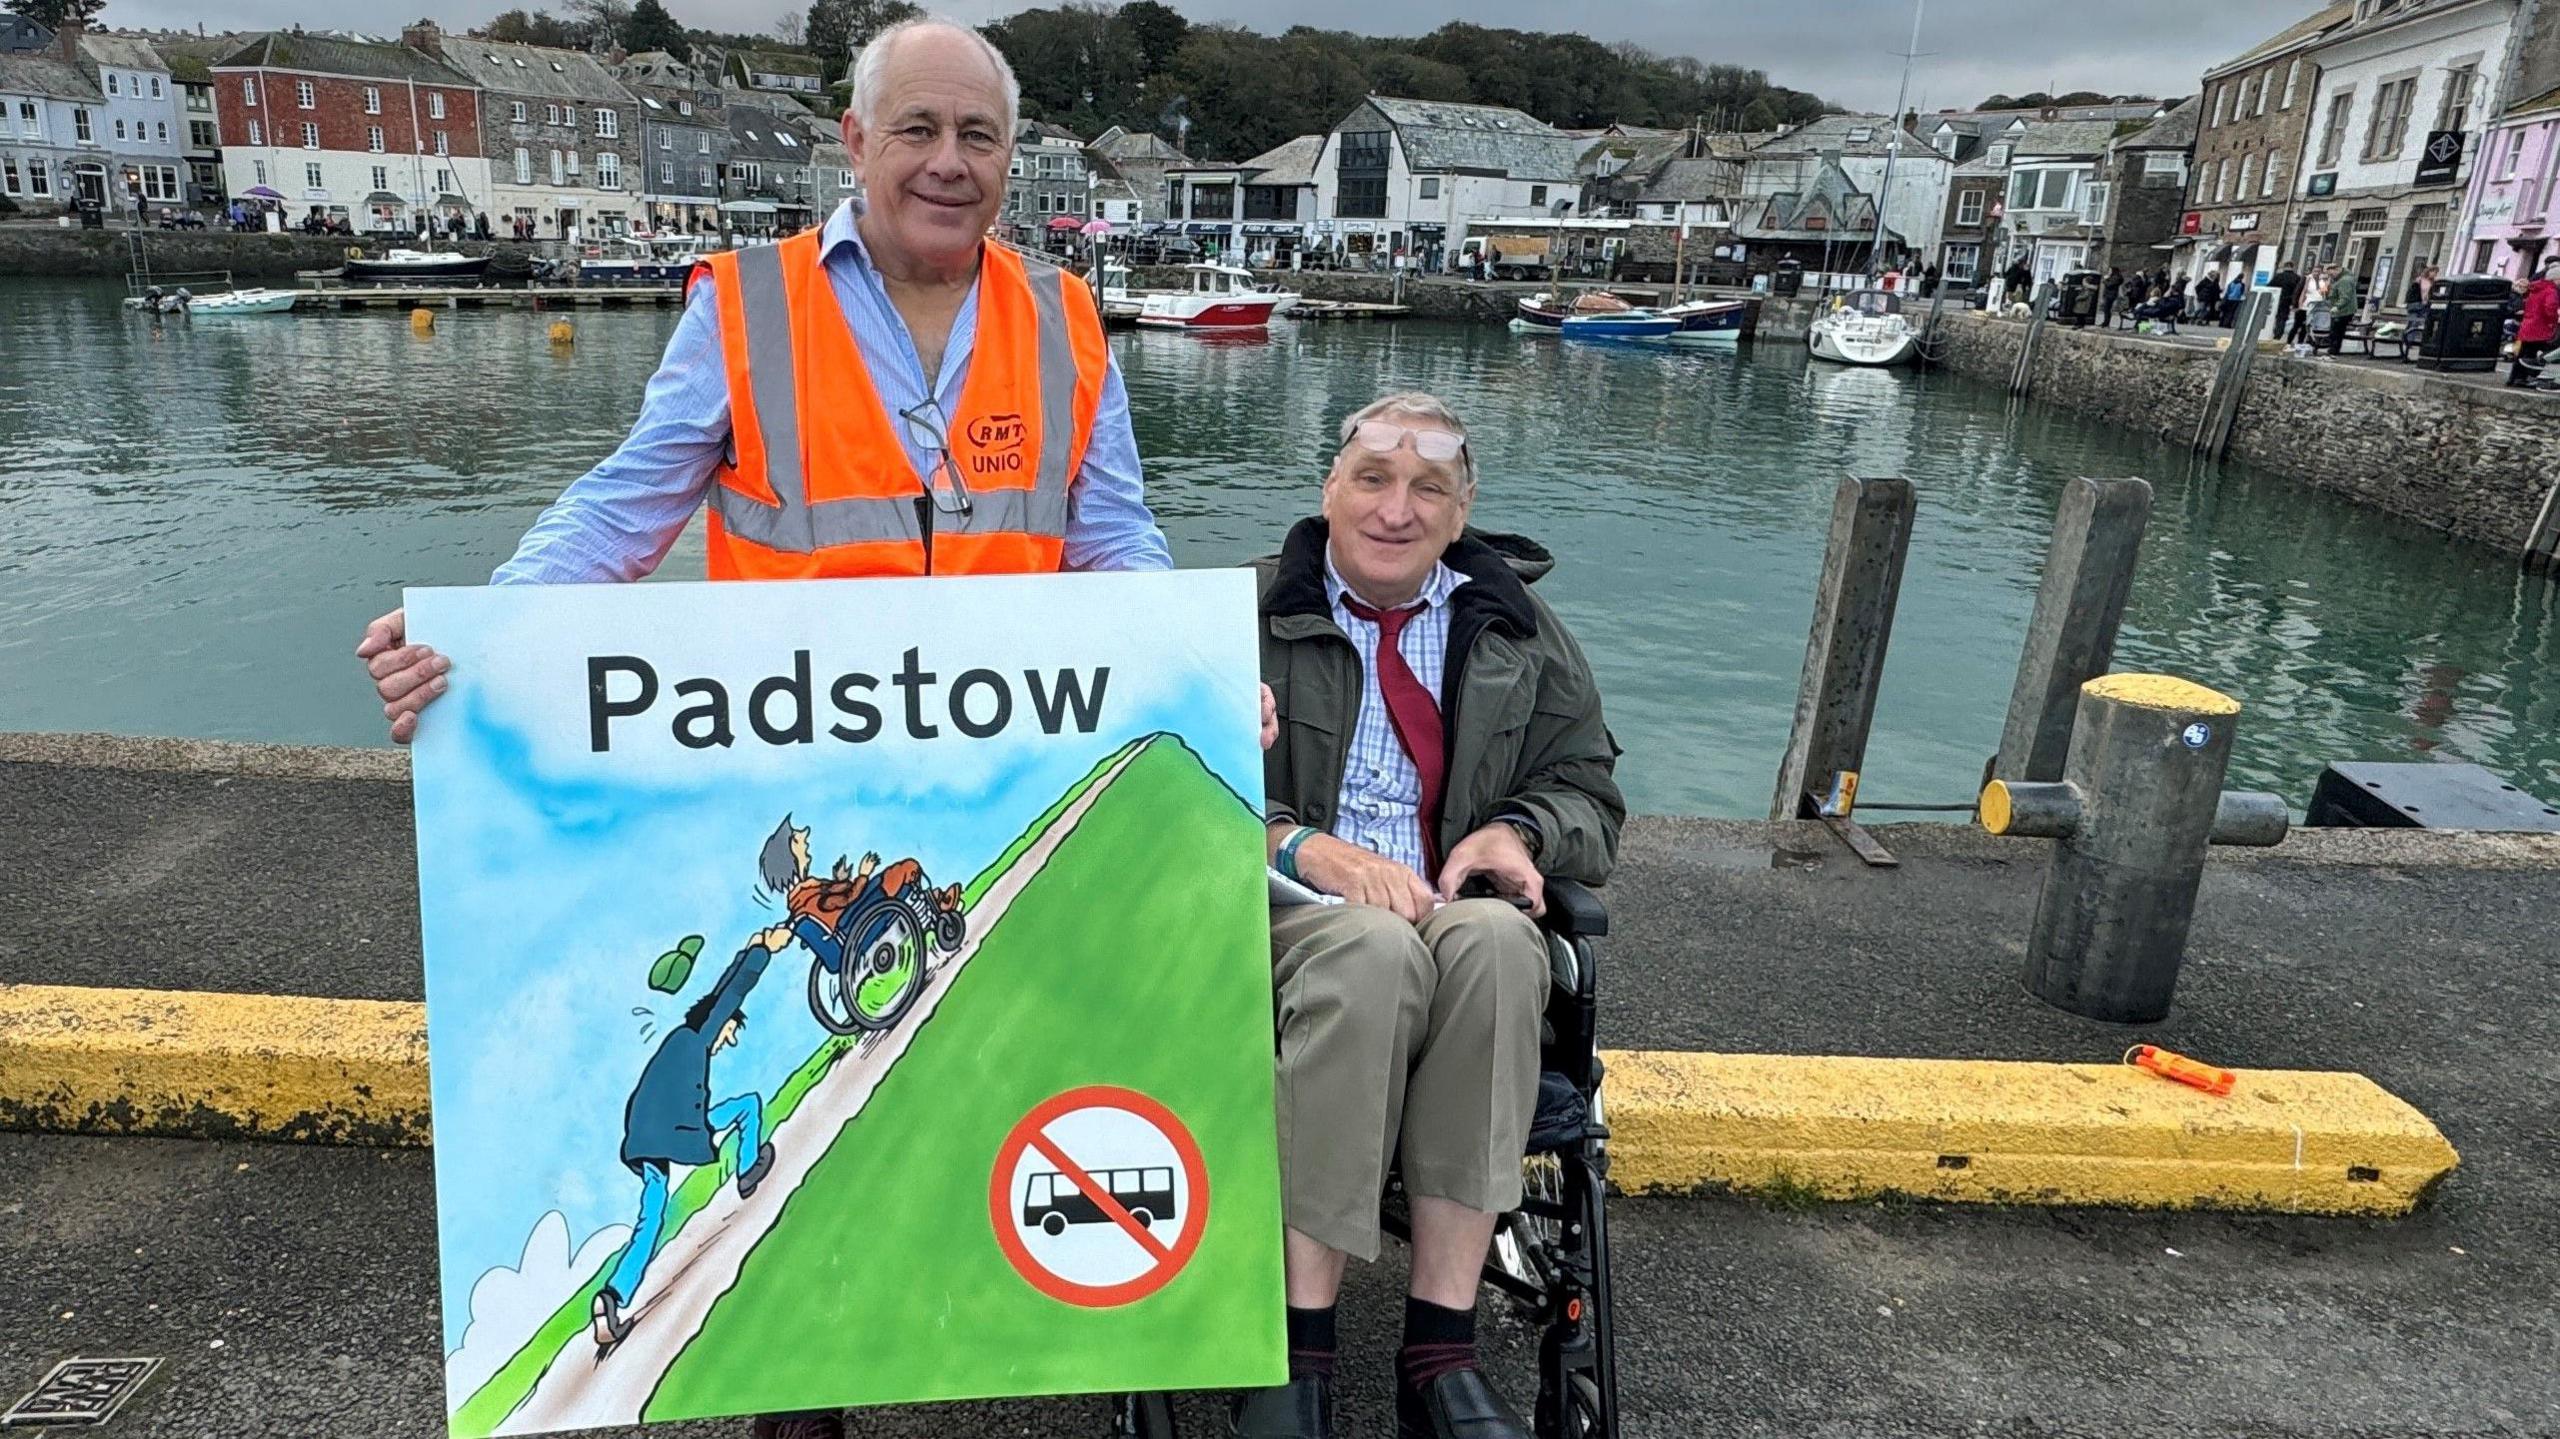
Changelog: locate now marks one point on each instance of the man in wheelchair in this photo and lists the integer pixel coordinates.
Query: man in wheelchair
(1441, 755)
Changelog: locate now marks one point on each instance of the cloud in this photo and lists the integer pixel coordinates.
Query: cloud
(507, 1305)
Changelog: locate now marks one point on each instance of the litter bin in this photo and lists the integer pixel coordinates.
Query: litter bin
(2076, 301)
(2466, 323)
(93, 216)
(1787, 278)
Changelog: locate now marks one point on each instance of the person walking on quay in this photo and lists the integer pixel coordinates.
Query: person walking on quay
(2021, 282)
(2288, 284)
(2344, 300)
(1930, 279)
(2232, 295)
(2208, 300)
(2108, 294)
(2539, 327)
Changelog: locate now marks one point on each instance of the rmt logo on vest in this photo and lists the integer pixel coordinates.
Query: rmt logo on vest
(995, 445)
(781, 710)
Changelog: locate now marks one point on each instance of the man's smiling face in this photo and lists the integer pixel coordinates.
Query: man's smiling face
(933, 154)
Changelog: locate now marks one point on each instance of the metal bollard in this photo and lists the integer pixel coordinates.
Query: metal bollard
(2140, 798)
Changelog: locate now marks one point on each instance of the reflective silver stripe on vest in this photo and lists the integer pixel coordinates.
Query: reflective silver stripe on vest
(798, 527)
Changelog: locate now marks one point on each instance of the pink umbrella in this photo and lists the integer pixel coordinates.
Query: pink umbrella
(1097, 227)
(1063, 222)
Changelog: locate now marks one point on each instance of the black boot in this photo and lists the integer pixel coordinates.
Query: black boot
(1455, 1405)
(1299, 1409)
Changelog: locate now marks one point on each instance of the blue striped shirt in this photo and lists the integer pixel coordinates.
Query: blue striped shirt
(1380, 807)
(617, 521)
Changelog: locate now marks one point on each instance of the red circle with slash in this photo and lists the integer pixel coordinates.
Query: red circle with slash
(1099, 1196)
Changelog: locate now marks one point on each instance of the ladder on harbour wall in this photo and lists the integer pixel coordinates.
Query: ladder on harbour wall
(2542, 542)
(2222, 401)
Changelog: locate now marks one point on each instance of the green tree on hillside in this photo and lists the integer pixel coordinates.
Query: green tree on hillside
(540, 27)
(54, 14)
(836, 29)
(652, 28)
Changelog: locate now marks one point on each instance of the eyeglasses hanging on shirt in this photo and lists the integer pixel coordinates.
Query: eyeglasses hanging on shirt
(944, 490)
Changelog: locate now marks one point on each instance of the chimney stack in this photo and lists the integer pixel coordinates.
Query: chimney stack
(66, 40)
(421, 35)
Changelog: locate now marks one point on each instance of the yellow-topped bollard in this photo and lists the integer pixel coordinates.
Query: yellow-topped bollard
(563, 334)
(2140, 799)
(422, 320)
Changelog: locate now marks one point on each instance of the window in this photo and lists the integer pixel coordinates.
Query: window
(550, 114)
(2292, 73)
(200, 97)
(2221, 105)
(9, 175)
(2275, 164)
(2248, 174)
(684, 107)
(160, 130)
(81, 127)
(1430, 189)
(844, 178)
(1364, 151)
(444, 182)
(2333, 141)
(2165, 168)
(2222, 182)
(311, 175)
(2515, 155)
(2459, 83)
(40, 179)
(2388, 127)
(702, 174)
(201, 135)
(249, 91)
(524, 166)
(666, 138)
(2266, 82)
(435, 104)
(373, 138)
(666, 172)
(259, 169)
(608, 123)
(155, 87)
(119, 127)
(1969, 207)
(1362, 199)
(702, 143)
(160, 182)
(1538, 196)
(111, 83)
(444, 143)
(382, 177)
(1961, 262)
(2000, 156)
(373, 99)
(2426, 236)
(304, 96)
(515, 111)
(559, 171)
(608, 170)
(2241, 110)
(2093, 202)
(1213, 202)
(256, 137)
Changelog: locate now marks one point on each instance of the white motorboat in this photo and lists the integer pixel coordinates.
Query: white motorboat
(1221, 297)
(243, 302)
(1120, 304)
(642, 260)
(415, 266)
(1865, 328)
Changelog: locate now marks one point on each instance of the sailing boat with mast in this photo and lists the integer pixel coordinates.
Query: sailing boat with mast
(1869, 327)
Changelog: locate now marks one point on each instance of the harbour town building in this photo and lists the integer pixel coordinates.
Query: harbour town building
(137, 121)
(1045, 178)
(381, 136)
(561, 134)
(2404, 90)
(684, 140)
(2514, 198)
(50, 154)
(2254, 114)
(2057, 199)
(1139, 160)
(1412, 177)
(771, 186)
(778, 74)
(190, 60)
(1262, 207)
(1813, 193)
(2144, 205)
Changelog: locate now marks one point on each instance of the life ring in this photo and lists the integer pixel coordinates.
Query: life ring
(355, 252)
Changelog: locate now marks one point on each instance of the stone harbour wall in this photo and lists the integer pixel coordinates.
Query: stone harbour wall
(2475, 461)
(106, 254)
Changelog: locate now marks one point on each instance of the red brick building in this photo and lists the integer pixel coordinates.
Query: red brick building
(379, 135)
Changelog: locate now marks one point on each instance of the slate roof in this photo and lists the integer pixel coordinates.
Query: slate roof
(1851, 212)
(340, 55)
(1685, 180)
(2548, 99)
(1289, 163)
(1831, 134)
(2064, 137)
(1439, 135)
(777, 62)
(1025, 131)
(2308, 28)
(120, 52)
(41, 74)
(755, 134)
(532, 70)
(1639, 153)
(2173, 131)
(1120, 144)
(190, 58)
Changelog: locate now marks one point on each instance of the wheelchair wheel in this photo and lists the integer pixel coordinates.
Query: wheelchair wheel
(950, 929)
(825, 1001)
(1142, 1416)
(884, 973)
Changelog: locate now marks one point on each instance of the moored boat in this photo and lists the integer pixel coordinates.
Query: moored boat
(1626, 325)
(415, 266)
(1120, 304)
(1708, 322)
(1866, 328)
(1221, 297)
(243, 302)
(641, 260)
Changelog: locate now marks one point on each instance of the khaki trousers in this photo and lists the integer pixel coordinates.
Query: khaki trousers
(1393, 1034)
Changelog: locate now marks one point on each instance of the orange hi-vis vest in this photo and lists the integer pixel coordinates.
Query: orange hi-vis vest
(816, 484)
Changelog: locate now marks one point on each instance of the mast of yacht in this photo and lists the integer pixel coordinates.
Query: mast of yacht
(1893, 145)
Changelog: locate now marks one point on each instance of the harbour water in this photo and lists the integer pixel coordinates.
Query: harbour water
(196, 519)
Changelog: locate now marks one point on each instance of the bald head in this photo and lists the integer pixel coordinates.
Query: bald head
(941, 45)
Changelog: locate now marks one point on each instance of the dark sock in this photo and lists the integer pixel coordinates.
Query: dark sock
(1437, 1340)
(1311, 1341)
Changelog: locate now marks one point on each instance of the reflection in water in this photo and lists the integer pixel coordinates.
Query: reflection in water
(196, 528)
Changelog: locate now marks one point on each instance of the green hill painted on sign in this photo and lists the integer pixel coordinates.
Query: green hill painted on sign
(565, 1331)
(881, 1278)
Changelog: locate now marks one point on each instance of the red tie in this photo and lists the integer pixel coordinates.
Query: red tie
(1415, 715)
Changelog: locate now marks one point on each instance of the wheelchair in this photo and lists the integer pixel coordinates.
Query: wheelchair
(866, 972)
(1550, 1256)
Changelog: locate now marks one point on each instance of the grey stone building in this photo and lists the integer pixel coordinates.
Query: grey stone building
(20, 35)
(770, 75)
(1047, 178)
(2254, 115)
(684, 140)
(771, 186)
(1138, 160)
(2145, 173)
(563, 136)
(50, 155)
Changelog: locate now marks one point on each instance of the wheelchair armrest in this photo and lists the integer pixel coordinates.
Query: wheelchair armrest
(1573, 911)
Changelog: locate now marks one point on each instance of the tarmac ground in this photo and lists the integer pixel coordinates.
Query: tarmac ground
(291, 1289)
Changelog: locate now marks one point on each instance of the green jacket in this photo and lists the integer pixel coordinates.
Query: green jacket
(1526, 737)
(2343, 294)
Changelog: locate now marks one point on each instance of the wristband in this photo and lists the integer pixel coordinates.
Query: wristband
(1286, 861)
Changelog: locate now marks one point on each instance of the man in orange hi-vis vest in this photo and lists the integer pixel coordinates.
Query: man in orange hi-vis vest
(886, 395)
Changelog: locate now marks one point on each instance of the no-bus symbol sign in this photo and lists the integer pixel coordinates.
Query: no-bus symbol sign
(1099, 1196)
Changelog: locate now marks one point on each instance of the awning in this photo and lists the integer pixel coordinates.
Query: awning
(748, 207)
(384, 197)
(2222, 254)
(450, 198)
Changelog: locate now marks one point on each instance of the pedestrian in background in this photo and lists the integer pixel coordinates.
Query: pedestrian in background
(2288, 283)
(2539, 327)
(2232, 295)
(2345, 299)
(2108, 294)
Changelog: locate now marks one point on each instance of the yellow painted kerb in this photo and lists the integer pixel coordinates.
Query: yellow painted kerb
(139, 1061)
(1994, 806)
(2162, 692)
(2283, 1141)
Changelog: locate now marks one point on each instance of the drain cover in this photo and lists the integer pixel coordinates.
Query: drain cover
(81, 1391)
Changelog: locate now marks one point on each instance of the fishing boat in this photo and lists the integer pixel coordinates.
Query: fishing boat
(1708, 322)
(242, 302)
(1866, 328)
(1623, 326)
(415, 267)
(1546, 311)
(1221, 297)
(641, 260)
(1120, 304)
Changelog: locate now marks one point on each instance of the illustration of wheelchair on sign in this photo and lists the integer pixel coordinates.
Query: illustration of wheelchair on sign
(869, 967)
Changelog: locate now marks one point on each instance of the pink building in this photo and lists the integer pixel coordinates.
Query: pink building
(2515, 212)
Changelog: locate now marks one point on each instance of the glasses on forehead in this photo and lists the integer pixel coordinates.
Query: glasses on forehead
(928, 431)
(1383, 436)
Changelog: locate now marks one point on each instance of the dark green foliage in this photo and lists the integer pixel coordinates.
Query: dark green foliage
(652, 28)
(54, 14)
(837, 29)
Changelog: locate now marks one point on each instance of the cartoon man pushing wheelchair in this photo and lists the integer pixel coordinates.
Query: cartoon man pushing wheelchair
(872, 932)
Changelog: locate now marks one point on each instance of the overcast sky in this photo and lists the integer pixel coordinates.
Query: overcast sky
(1844, 50)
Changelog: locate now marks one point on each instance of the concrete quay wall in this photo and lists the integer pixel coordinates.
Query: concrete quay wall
(34, 250)
(2471, 460)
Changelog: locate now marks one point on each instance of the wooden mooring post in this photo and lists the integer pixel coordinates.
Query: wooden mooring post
(2542, 542)
(2022, 378)
(2071, 635)
(1844, 657)
(2222, 402)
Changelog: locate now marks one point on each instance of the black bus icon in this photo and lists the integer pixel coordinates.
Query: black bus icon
(1051, 1201)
